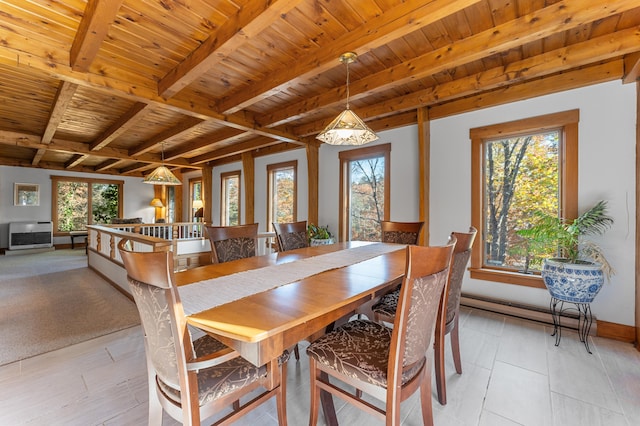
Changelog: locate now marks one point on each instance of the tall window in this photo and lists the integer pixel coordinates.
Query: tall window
(78, 202)
(196, 202)
(520, 168)
(230, 198)
(170, 200)
(282, 192)
(364, 192)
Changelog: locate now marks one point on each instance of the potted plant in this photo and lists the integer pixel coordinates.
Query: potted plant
(319, 235)
(577, 274)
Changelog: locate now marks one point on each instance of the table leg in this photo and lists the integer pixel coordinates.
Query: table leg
(329, 410)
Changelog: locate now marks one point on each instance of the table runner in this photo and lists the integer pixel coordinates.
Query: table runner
(214, 292)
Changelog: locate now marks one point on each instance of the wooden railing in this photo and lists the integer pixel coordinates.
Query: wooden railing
(186, 240)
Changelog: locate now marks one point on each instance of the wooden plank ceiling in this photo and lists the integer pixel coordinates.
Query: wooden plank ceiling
(108, 86)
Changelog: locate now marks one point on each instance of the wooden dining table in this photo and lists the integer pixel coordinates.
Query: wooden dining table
(262, 325)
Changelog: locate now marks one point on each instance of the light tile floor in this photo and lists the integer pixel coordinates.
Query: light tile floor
(512, 375)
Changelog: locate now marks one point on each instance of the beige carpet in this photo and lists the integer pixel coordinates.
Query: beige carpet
(51, 300)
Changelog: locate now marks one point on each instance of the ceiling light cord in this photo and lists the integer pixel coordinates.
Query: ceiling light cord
(348, 83)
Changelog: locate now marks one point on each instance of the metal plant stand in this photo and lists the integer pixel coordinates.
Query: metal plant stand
(585, 319)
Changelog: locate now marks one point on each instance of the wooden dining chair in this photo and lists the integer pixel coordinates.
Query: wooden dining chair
(385, 310)
(232, 242)
(389, 364)
(397, 233)
(291, 235)
(192, 380)
(401, 232)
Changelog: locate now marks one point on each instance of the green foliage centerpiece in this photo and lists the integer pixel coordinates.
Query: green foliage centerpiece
(319, 235)
(577, 274)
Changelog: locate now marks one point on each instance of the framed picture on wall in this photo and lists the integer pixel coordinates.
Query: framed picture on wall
(26, 194)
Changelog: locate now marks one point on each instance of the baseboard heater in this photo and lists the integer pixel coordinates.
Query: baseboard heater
(30, 235)
(569, 318)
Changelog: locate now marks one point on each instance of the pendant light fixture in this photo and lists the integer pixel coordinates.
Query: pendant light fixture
(347, 128)
(162, 175)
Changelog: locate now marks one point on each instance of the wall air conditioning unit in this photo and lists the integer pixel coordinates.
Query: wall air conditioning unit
(28, 235)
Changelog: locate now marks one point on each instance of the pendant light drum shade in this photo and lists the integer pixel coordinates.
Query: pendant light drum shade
(162, 175)
(347, 128)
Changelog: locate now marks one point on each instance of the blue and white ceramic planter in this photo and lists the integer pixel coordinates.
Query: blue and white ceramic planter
(570, 282)
(321, 241)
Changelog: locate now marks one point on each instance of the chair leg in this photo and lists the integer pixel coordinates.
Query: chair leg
(455, 346)
(425, 396)
(441, 380)
(314, 392)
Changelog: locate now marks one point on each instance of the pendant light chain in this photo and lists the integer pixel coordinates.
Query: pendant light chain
(347, 83)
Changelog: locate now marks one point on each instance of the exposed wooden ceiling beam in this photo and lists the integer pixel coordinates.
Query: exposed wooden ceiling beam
(631, 68)
(52, 166)
(184, 126)
(61, 101)
(249, 21)
(136, 113)
(138, 91)
(223, 135)
(70, 147)
(577, 55)
(137, 167)
(98, 16)
(38, 156)
(76, 160)
(237, 148)
(108, 164)
(561, 16)
(595, 74)
(399, 21)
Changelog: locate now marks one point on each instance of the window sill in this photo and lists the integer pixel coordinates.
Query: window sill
(507, 277)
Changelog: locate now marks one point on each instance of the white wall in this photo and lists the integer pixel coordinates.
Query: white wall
(606, 171)
(137, 197)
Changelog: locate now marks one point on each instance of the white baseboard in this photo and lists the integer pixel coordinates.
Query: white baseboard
(533, 313)
(8, 252)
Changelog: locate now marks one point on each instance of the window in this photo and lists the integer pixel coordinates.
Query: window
(78, 202)
(230, 198)
(282, 193)
(364, 192)
(195, 199)
(170, 201)
(519, 168)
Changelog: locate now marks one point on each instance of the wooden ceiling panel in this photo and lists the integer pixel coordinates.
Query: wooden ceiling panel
(43, 24)
(89, 114)
(26, 100)
(15, 155)
(478, 17)
(154, 122)
(206, 78)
